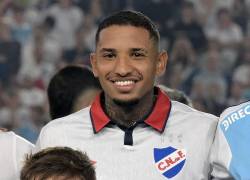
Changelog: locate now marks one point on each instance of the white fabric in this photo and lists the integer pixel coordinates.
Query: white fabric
(186, 129)
(13, 149)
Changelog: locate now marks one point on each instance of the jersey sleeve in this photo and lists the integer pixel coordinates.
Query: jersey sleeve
(23, 148)
(230, 152)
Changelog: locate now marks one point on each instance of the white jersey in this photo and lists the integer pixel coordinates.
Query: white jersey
(13, 149)
(232, 143)
(173, 142)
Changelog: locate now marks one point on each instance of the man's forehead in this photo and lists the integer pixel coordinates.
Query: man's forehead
(116, 36)
(130, 49)
(120, 30)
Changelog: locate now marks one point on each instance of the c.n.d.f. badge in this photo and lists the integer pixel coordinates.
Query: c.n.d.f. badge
(169, 161)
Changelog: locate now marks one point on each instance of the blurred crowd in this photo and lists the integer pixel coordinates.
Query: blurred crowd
(208, 43)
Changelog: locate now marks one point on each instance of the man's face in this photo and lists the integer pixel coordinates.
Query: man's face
(126, 62)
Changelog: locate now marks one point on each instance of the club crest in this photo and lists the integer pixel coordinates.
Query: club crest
(169, 161)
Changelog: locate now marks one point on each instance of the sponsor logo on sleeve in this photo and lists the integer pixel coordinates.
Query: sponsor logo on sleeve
(240, 114)
(169, 161)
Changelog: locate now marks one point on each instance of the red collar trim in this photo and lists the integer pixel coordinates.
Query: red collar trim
(98, 117)
(159, 116)
(157, 119)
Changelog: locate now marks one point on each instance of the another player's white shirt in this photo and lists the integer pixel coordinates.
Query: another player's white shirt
(232, 143)
(174, 142)
(13, 149)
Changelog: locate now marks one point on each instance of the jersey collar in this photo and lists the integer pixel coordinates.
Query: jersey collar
(157, 118)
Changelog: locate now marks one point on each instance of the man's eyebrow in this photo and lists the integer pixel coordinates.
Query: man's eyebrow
(139, 49)
(107, 50)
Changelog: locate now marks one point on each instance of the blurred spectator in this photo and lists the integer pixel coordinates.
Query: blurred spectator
(68, 19)
(240, 14)
(188, 25)
(154, 9)
(10, 51)
(84, 5)
(198, 90)
(21, 30)
(241, 73)
(183, 52)
(215, 99)
(88, 31)
(109, 6)
(31, 113)
(96, 10)
(4, 4)
(211, 75)
(229, 36)
(209, 84)
(40, 57)
(85, 44)
(80, 53)
(235, 94)
(205, 10)
(183, 59)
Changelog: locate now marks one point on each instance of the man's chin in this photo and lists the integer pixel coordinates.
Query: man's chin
(126, 102)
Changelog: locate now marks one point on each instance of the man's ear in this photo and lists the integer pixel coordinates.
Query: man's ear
(93, 64)
(161, 63)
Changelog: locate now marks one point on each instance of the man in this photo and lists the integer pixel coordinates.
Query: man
(132, 130)
(231, 146)
(58, 163)
(12, 153)
(71, 89)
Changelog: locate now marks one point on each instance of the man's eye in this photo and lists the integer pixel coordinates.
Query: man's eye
(136, 54)
(109, 55)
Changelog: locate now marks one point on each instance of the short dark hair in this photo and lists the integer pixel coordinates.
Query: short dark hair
(132, 18)
(58, 162)
(66, 86)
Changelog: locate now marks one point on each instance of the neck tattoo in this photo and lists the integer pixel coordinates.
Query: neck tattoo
(128, 114)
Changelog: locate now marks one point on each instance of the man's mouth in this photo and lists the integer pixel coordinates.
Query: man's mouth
(124, 83)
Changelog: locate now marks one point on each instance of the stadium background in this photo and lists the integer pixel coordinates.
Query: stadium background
(208, 42)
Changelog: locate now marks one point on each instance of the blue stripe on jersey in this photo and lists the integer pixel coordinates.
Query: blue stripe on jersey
(236, 128)
(161, 153)
(175, 170)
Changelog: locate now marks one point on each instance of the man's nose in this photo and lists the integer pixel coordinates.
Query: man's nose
(123, 66)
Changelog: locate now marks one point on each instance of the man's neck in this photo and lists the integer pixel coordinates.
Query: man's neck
(127, 115)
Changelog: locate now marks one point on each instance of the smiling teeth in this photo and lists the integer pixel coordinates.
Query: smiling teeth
(124, 83)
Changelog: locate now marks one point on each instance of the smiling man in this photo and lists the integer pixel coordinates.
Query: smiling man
(127, 60)
(133, 130)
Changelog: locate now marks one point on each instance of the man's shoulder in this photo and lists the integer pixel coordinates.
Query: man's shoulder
(59, 130)
(185, 110)
(235, 117)
(81, 116)
(11, 138)
(7, 137)
(233, 109)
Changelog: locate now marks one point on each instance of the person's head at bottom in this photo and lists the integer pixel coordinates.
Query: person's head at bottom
(58, 163)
